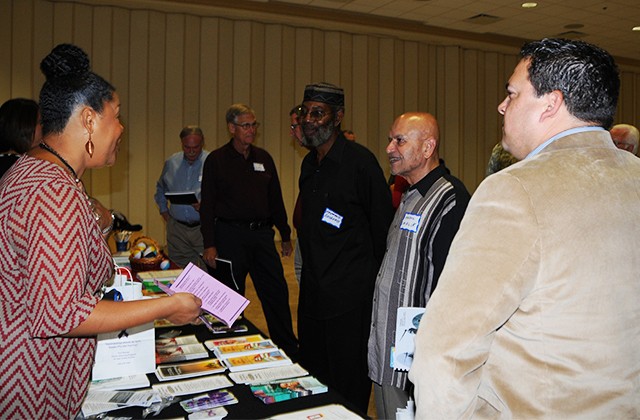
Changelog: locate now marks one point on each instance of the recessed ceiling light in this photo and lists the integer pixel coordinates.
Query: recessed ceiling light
(529, 5)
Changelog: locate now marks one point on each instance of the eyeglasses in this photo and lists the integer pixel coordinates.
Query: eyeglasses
(248, 126)
(315, 114)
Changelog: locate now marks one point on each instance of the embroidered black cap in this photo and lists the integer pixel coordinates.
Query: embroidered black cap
(324, 92)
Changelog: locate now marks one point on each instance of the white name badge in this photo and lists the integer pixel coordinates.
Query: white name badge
(410, 222)
(258, 167)
(332, 218)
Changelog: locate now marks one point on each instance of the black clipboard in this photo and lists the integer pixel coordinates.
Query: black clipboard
(182, 197)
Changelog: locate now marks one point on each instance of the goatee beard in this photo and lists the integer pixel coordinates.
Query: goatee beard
(321, 136)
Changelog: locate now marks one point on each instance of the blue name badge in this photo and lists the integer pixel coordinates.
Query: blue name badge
(332, 218)
(410, 222)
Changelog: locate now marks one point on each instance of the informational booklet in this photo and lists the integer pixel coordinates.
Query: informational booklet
(217, 299)
(257, 361)
(176, 341)
(189, 369)
(262, 376)
(124, 353)
(244, 349)
(407, 322)
(288, 389)
(192, 386)
(181, 197)
(120, 383)
(209, 400)
(97, 402)
(169, 354)
(212, 344)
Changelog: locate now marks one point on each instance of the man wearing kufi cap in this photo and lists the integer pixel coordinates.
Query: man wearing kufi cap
(346, 211)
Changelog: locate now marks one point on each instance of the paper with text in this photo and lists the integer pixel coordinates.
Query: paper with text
(219, 300)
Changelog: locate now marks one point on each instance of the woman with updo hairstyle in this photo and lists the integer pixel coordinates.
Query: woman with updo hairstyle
(19, 130)
(54, 260)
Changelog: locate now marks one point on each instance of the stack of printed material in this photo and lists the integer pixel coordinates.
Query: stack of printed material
(192, 386)
(97, 402)
(126, 382)
(288, 389)
(242, 349)
(189, 370)
(263, 376)
(211, 399)
(213, 344)
(248, 352)
(177, 349)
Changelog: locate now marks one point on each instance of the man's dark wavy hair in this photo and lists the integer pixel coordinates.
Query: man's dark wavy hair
(586, 75)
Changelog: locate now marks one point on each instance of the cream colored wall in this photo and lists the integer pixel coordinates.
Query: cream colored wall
(185, 65)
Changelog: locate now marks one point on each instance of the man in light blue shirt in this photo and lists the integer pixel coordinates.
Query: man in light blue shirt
(182, 172)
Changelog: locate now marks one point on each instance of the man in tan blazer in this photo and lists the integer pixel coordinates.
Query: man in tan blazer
(537, 311)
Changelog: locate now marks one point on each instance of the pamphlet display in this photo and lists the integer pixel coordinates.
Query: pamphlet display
(169, 372)
(286, 390)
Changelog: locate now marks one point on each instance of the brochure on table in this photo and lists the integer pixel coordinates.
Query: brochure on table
(127, 352)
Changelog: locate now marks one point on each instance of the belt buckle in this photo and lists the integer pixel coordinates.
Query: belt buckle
(254, 225)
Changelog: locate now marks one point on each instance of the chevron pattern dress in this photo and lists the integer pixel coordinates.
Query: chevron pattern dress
(53, 262)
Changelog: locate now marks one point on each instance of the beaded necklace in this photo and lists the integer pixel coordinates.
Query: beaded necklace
(49, 149)
(92, 205)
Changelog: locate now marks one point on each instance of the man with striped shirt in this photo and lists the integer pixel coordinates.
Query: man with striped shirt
(424, 225)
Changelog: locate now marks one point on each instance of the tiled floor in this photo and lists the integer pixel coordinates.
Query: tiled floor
(254, 310)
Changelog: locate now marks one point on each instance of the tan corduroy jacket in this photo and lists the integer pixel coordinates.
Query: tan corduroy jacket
(537, 311)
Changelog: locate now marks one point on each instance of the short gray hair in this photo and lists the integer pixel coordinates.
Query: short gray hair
(236, 110)
(191, 129)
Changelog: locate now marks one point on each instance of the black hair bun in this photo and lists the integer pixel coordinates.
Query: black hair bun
(64, 61)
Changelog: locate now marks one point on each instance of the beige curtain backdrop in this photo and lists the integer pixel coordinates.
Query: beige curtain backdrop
(176, 63)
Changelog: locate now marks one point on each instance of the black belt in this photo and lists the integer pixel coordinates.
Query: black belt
(188, 224)
(253, 225)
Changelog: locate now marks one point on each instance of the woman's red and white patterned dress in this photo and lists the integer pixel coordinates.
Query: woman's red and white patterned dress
(53, 262)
